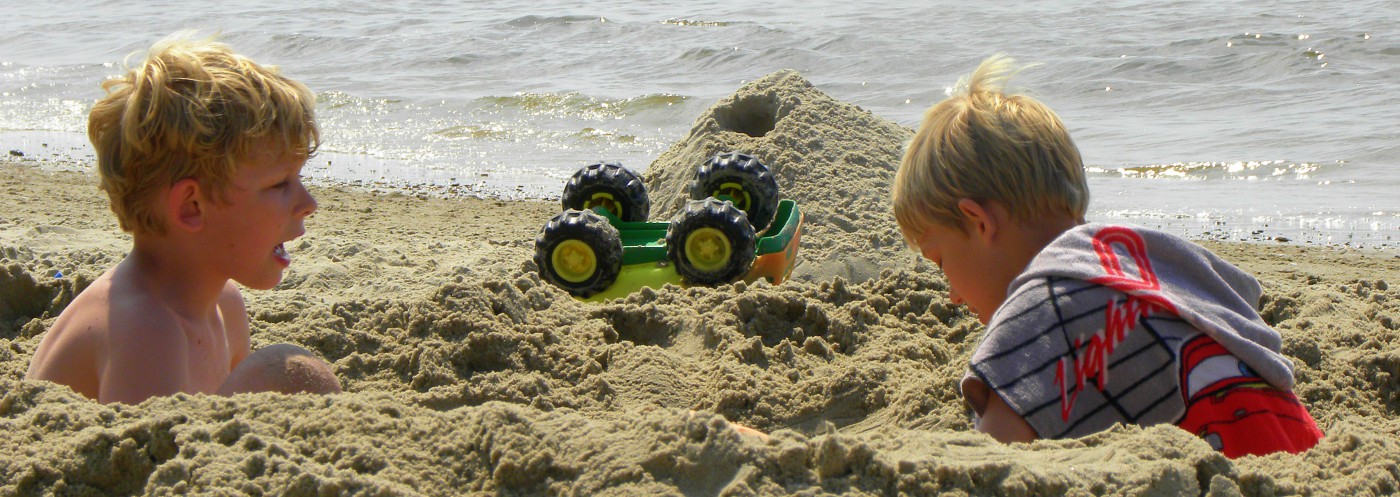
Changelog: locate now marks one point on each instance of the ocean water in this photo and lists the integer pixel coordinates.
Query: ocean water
(1230, 120)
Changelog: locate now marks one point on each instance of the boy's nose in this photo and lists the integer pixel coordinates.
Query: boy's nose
(308, 205)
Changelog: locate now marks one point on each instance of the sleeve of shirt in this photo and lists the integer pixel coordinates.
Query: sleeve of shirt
(1074, 358)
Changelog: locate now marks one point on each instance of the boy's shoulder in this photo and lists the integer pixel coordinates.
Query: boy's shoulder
(120, 323)
(113, 309)
(138, 312)
(1129, 258)
(121, 307)
(102, 321)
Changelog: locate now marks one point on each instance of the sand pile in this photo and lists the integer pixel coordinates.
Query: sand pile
(837, 160)
(466, 374)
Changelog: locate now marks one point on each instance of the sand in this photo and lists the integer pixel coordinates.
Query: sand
(465, 374)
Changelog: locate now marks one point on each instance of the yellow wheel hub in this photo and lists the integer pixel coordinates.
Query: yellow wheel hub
(735, 191)
(574, 261)
(707, 249)
(605, 201)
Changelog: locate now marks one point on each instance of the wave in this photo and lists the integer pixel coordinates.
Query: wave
(537, 20)
(1267, 170)
(479, 132)
(577, 105)
(506, 132)
(347, 102)
(690, 22)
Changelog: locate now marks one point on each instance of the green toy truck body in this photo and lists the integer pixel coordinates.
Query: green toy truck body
(735, 228)
(644, 261)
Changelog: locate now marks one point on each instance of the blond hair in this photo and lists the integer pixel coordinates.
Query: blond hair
(986, 145)
(192, 109)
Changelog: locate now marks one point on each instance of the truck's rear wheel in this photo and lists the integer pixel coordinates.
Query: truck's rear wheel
(742, 179)
(610, 186)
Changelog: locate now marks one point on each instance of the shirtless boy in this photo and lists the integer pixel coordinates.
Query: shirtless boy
(200, 151)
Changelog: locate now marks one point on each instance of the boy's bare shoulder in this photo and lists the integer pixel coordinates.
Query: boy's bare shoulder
(105, 321)
(74, 347)
(111, 310)
(86, 316)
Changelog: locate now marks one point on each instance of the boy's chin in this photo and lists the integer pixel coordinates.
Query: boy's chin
(261, 283)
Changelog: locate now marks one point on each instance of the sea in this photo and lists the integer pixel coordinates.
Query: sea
(1272, 121)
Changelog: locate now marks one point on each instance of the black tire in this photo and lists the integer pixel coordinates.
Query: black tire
(573, 234)
(711, 242)
(611, 186)
(744, 179)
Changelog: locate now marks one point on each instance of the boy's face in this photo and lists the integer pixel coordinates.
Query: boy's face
(262, 208)
(968, 265)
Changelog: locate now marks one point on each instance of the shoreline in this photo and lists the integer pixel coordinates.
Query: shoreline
(70, 152)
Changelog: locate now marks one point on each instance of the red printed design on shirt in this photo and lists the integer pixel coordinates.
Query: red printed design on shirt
(1092, 361)
(1144, 298)
(1235, 410)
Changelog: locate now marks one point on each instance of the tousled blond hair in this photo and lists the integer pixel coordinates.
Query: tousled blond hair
(192, 109)
(984, 144)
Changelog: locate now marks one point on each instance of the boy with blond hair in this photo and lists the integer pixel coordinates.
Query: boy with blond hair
(1088, 325)
(200, 151)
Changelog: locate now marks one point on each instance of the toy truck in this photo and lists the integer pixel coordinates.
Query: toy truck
(734, 227)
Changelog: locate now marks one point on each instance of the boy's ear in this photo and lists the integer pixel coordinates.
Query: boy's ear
(982, 219)
(185, 204)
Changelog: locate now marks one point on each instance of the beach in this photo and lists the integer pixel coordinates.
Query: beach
(464, 373)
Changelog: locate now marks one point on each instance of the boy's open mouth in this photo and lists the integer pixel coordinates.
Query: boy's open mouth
(281, 254)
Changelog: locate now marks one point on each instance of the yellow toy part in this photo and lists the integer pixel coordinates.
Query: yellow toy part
(574, 260)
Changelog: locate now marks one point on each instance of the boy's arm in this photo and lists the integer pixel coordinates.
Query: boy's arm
(235, 317)
(994, 416)
(145, 362)
(1004, 424)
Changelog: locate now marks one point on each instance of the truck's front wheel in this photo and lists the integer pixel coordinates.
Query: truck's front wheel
(579, 251)
(711, 242)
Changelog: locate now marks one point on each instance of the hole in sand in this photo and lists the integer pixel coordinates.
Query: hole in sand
(754, 115)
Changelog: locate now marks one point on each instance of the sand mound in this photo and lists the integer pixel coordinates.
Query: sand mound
(835, 159)
(466, 374)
